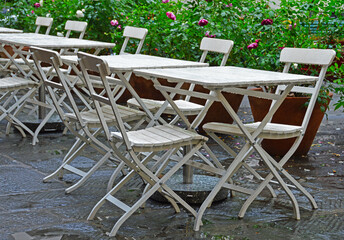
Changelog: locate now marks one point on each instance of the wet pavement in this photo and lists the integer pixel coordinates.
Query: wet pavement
(31, 209)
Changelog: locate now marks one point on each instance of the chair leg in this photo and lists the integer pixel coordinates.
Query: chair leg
(88, 174)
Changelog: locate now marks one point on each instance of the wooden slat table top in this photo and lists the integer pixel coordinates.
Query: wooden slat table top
(129, 62)
(48, 41)
(9, 30)
(228, 76)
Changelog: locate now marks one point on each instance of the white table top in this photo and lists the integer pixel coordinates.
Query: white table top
(228, 76)
(9, 30)
(129, 62)
(48, 41)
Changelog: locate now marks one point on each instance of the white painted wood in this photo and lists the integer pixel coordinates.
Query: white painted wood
(129, 62)
(151, 139)
(9, 30)
(48, 41)
(75, 26)
(87, 119)
(225, 77)
(45, 22)
(254, 132)
(136, 33)
(307, 56)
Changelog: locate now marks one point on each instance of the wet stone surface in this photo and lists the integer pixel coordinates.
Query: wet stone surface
(31, 209)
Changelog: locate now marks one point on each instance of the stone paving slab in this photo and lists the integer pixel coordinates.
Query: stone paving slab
(44, 211)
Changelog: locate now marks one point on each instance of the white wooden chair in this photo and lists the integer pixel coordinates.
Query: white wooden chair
(87, 121)
(12, 103)
(189, 108)
(136, 33)
(40, 22)
(44, 22)
(128, 33)
(320, 57)
(163, 138)
(74, 26)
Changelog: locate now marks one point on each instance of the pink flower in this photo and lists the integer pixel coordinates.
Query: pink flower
(258, 40)
(291, 26)
(281, 48)
(119, 27)
(165, 1)
(208, 35)
(203, 22)
(114, 22)
(37, 5)
(252, 46)
(32, 11)
(170, 15)
(229, 5)
(267, 22)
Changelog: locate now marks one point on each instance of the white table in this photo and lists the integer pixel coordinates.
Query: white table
(218, 79)
(124, 65)
(19, 41)
(9, 30)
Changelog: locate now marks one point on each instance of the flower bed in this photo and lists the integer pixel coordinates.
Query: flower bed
(177, 27)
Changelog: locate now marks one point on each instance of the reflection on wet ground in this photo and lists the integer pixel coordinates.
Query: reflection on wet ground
(31, 209)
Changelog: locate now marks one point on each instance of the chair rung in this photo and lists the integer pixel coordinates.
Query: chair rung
(118, 203)
(74, 170)
(238, 188)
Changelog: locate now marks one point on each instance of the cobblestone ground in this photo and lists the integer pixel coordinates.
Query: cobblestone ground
(31, 209)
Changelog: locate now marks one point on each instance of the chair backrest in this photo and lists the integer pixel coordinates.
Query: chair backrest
(45, 22)
(216, 45)
(52, 58)
(75, 26)
(49, 58)
(134, 32)
(319, 57)
(223, 46)
(91, 63)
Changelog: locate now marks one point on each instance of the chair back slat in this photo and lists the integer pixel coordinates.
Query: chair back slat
(134, 32)
(318, 57)
(76, 26)
(45, 22)
(307, 56)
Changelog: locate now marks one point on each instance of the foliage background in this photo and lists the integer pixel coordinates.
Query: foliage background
(307, 24)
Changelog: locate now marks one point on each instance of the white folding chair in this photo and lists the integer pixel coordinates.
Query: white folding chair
(163, 138)
(128, 33)
(136, 33)
(187, 107)
(15, 92)
(71, 27)
(44, 22)
(320, 57)
(87, 121)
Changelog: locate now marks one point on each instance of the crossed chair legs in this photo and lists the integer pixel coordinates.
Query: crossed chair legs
(155, 184)
(276, 170)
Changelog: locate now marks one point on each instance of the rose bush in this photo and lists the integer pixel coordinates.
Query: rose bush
(258, 30)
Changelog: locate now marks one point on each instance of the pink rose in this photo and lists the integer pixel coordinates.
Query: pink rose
(37, 5)
(170, 15)
(258, 40)
(119, 27)
(165, 1)
(252, 46)
(229, 5)
(267, 22)
(203, 22)
(114, 22)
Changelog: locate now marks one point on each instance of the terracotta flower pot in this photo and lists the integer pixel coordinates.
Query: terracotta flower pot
(291, 111)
